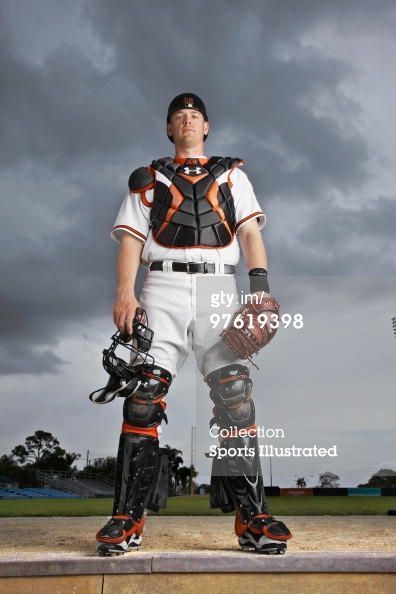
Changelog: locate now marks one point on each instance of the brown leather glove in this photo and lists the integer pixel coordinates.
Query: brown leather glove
(248, 332)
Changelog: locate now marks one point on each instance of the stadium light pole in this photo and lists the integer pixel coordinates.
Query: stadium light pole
(394, 326)
(392, 512)
(193, 448)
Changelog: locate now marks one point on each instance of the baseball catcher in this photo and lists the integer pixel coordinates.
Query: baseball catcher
(185, 219)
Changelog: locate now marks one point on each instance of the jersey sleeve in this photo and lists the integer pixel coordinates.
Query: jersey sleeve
(246, 204)
(133, 216)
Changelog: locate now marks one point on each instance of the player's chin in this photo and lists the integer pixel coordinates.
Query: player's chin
(189, 140)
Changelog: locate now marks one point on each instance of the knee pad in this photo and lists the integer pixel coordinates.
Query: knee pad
(230, 390)
(145, 407)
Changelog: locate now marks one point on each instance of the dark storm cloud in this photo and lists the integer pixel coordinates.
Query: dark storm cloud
(67, 111)
(61, 113)
(19, 358)
(67, 118)
(59, 281)
(229, 56)
(339, 237)
(370, 224)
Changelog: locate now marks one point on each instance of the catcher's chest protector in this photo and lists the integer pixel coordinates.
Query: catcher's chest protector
(193, 204)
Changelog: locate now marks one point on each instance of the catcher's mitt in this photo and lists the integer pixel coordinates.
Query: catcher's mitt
(248, 331)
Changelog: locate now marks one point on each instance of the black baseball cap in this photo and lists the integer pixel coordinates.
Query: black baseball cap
(187, 101)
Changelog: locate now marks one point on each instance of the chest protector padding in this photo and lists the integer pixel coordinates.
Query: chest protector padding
(194, 210)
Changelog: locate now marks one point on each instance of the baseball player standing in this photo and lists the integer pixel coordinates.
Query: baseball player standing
(182, 219)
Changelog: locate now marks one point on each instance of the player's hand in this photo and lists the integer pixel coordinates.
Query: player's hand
(124, 309)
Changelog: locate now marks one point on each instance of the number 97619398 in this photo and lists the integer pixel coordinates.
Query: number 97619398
(286, 320)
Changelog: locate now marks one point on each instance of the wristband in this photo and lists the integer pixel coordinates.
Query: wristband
(258, 280)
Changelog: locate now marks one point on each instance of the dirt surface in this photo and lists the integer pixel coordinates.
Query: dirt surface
(77, 535)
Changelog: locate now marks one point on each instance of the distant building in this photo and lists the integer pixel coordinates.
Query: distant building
(202, 489)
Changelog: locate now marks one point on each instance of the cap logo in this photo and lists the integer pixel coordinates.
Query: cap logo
(188, 101)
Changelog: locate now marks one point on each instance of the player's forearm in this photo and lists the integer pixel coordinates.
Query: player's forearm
(128, 261)
(255, 257)
(253, 249)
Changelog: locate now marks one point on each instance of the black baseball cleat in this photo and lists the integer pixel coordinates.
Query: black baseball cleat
(262, 544)
(263, 534)
(111, 550)
(120, 535)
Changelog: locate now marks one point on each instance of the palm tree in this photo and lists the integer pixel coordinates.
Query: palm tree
(174, 461)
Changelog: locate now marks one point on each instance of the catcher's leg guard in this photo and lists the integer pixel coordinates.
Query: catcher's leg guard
(141, 473)
(237, 481)
(136, 474)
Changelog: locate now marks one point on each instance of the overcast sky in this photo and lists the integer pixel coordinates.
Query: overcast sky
(304, 92)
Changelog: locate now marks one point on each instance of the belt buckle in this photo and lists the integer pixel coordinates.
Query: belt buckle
(188, 269)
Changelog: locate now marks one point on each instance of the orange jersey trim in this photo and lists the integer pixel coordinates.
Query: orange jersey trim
(142, 194)
(231, 170)
(144, 199)
(132, 230)
(191, 160)
(254, 214)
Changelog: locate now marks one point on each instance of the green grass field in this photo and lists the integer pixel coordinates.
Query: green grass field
(198, 505)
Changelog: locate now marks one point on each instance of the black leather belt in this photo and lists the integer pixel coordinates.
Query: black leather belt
(193, 267)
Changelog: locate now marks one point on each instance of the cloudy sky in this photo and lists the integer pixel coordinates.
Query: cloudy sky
(305, 93)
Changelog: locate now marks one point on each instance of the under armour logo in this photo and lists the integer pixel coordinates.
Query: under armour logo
(196, 170)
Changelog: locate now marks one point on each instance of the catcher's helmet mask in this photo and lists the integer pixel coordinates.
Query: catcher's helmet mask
(124, 376)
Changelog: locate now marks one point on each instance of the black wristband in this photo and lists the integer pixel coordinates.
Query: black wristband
(258, 272)
(258, 280)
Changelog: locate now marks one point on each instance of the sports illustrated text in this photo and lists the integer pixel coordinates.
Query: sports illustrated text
(264, 450)
(270, 451)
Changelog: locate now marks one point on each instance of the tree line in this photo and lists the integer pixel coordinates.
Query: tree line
(42, 451)
(383, 478)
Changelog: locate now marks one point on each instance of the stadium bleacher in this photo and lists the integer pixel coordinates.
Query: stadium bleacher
(34, 493)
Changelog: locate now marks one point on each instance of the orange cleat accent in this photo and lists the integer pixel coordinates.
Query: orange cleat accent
(119, 528)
